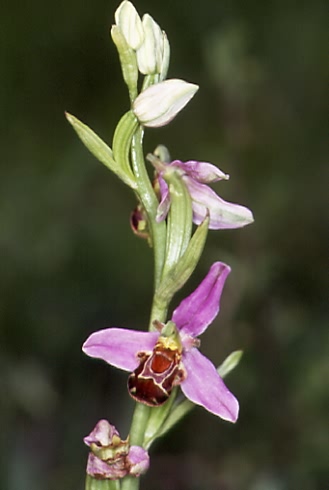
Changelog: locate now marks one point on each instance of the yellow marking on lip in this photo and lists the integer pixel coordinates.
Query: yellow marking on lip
(168, 343)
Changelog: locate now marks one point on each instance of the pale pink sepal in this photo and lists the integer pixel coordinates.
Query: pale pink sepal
(197, 311)
(119, 347)
(222, 214)
(202, 172)
(164, 205)
(205, 387)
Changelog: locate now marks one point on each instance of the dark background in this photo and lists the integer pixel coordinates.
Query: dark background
(70, 264)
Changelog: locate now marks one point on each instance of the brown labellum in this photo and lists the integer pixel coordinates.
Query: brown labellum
(138, 222)
(158, 372)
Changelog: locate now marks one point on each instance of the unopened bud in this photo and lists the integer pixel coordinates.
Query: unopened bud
(149, 54)
(130, 24)
(160, 103)
(165, 57)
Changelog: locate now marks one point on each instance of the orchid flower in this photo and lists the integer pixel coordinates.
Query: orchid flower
(162, 359)
(196, 176)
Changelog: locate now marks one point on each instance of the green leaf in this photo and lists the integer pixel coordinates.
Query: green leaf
(230, 363)
(101, 151)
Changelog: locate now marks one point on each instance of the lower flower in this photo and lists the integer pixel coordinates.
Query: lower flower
(160, 360)
(110, 457)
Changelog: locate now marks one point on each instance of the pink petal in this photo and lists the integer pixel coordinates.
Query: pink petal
(203, 172)
(222, 214)
(164, 205)
(205, 387)
(197, 311)
(119, 347)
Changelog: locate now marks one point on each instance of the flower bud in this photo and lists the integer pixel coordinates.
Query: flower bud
(149, 54)
(165, 57)
(130, 24)
(160, 103)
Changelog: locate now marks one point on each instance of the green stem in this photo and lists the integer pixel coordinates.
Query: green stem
(94, 484)
(158, 312)
(130, 483)
(150, 203)
(138, 425)
(136, 438)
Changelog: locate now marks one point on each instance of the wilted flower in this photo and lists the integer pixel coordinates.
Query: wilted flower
(138, 222)
(110, 457)
(137, 461)
(196, 176)
(160, 103)
(160, 360)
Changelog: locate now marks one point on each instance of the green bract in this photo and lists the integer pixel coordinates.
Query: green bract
(102, 151)
(128, 61)
(177, 276)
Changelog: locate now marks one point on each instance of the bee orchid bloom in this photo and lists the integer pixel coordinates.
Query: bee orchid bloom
(196, 176)
(158, 362)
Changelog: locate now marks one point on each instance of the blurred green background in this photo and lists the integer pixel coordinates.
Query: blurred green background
(70, 264)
